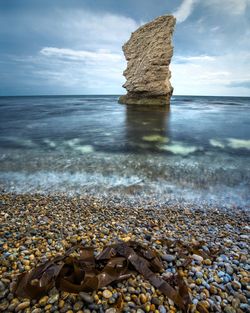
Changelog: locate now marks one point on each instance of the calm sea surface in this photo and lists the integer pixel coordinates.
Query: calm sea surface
(196, 152)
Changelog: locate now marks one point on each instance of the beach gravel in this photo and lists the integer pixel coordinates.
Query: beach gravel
(35, 228)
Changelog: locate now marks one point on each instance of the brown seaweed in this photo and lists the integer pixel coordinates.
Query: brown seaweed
(85, 272)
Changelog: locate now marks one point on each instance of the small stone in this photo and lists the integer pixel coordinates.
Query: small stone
(54, 298)
(48, 307)
(229, 269)
(143, 298)
(236, 303)
(245, 307)
(242, 298)
(207, 262)
(107, 294)
(156, 301)
(205, 304)
(236, 285)
(86, 297)
(43, 301)
(36, 310)
(61, 304)
(221, 274)
(162, 309)
(111, 310)
(2, 286)
(3, 305)
(4, 293)
(168, 257)
(198, 281)
(12, 307)
(78, 305)
(197, 258)
(229, 309)
(199, 274)
(22, 306)
(148, 237)
(213, 290)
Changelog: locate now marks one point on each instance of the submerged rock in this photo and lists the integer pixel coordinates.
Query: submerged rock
(149, 52)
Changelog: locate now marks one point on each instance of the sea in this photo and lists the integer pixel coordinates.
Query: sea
(195, 152)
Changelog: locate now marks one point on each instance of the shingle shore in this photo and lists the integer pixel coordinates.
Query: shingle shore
(35, 228)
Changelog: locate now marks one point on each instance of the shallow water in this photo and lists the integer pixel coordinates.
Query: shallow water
(198, 151)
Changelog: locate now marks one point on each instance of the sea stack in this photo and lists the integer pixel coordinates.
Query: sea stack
(148, 53)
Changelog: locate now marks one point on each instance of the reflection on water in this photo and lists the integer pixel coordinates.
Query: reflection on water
(146, 128)
(197, 151)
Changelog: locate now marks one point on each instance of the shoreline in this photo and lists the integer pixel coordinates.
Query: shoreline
(38, 227)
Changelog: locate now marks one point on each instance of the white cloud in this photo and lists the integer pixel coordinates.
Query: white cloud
(194, 58)
(80, 71)
(205, 75)
(232, 7)
(85, 56)
(184, 10)
(100, 55)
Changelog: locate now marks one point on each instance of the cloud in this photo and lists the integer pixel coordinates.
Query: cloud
(240, 84)
(100, 55)
(211, 75)
(76, 49)
(232, 7)
(186, 59)
(81, 53)
(79, 71)
(184, 10)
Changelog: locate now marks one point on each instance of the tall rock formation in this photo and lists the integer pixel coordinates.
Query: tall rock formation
(149, 52)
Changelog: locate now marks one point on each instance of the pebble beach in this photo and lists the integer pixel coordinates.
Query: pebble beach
(35, 228)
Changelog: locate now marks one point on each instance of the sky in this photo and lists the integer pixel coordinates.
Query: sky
(62, 47)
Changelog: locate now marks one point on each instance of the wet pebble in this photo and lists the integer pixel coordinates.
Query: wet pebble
(168, 257)
(22, 306)
(86, 297)
(107, 294)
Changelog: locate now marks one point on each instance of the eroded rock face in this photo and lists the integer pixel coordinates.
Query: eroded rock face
(149, 52)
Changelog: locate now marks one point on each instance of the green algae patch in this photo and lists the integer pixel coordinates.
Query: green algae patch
(217, 143)
(155, 138)
(238, 143)
(85, 149)
(179, 148)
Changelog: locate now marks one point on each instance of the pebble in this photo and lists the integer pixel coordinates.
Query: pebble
(197, 257)
(229, 269)
(4, 305)
(43, 301)
(143, 298)
(221, 284)
(78, 305)
(199, 274)
(54, 298)
(207, 262)
(2, 286)
(86, 297)
(111, 310)
(229, 309)
(236, 285)
(168, 257)
(213, 290)
(36, 310)
(22, 306)
(162, 309)
(107, 294)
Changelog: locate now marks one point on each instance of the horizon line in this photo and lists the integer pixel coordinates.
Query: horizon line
(82, 95)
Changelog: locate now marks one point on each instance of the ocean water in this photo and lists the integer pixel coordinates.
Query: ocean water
(195, 152)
